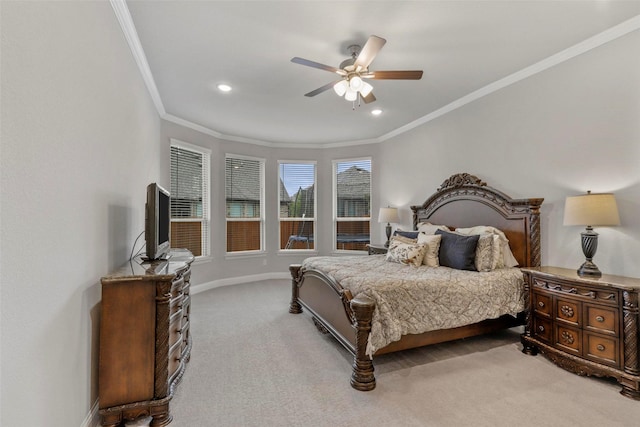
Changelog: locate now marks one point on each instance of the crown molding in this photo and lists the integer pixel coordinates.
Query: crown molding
(126, 23)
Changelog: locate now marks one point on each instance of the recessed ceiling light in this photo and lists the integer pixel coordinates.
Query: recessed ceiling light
(376, 112)
(224, 88)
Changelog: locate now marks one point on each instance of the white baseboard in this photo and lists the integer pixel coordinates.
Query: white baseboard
(237, 280)
(92, 419)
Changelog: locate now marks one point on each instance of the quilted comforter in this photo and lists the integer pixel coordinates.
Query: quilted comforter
(413, 300)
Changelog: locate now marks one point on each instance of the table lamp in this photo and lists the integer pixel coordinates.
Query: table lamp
(591, 209)
(388, 215)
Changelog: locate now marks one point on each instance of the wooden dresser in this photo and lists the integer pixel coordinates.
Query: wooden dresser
(144, 338)
(587, 326)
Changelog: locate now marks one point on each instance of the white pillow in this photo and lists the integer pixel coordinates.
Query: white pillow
(507, 259)
(432, 241)
(428, 228)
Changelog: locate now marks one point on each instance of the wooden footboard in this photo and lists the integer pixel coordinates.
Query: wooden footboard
(335, 311)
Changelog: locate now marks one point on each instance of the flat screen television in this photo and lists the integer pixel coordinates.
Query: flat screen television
(157, 229)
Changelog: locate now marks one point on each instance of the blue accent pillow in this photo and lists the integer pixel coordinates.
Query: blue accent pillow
(457, 251)
(407, 234)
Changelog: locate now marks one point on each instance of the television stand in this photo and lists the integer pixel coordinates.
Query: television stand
(145, 342)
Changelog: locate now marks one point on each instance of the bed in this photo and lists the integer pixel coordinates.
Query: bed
(461, 201)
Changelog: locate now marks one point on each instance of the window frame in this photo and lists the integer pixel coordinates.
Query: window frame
(314, 220)
(260, 218)
(334, 197)
(206, 195)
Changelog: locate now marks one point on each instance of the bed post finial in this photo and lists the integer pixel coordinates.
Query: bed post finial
(460, 179)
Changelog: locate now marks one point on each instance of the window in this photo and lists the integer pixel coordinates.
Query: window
(190, 198)
(297, 205)
(244, 195)
(352, 203)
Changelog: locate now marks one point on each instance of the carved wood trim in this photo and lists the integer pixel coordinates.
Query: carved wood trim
(296, 278)
(631, 317)
(163, 297)
(362, 377)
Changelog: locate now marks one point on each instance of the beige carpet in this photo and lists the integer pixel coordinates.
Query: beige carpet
(254, 364)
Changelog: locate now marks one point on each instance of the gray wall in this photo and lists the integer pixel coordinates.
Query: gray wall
(572, 128)
(80, 140)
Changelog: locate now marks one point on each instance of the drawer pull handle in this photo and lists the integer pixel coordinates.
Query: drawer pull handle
(540, 303)
(600, 347)
(600, 319)
(541, 328)
(566, 311)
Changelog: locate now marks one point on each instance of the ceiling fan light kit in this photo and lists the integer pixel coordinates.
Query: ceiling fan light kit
(355, 69)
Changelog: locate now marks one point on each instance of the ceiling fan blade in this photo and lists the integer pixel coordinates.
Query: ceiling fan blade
(394, 75)
(369, 98)
(318, 65)
(322, 89)
(369, 51)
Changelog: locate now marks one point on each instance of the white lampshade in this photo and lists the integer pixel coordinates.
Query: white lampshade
(341, 87)
(388, 215)
(355, 83)
(591, 209)
(366, 89)
(351, 95)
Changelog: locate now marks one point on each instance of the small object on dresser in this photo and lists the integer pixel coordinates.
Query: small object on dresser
(585, 325)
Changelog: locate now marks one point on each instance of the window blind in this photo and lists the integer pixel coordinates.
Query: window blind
(190, 199)
(352, 202)
(244, 198)
(297, 187)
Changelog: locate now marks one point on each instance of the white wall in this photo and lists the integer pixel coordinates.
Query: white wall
(572, 128)
(80, 141)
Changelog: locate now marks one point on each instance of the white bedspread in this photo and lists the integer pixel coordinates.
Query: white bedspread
(413, 300)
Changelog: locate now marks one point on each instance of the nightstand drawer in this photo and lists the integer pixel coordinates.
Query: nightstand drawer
(569, 339)
(543, 329)
(602, 349)
(568, 311)
(542, 303)
(601, 319)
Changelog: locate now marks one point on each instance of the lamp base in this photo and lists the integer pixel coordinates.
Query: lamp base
(589, 269)
(388, 231)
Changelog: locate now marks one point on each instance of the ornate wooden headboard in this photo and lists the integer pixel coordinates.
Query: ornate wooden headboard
(463, 200)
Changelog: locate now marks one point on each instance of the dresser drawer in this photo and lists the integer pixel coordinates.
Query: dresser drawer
(602, 349)
(543, 329)
(542, 303)
(568, 311)
(568, 339)
(175, 328)
(601, 319)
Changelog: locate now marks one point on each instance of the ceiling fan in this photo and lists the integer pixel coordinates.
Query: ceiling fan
(355, 70)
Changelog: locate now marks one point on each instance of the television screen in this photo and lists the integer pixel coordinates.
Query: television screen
(157, 222)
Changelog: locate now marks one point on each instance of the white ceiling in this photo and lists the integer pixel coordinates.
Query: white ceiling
(466, 49)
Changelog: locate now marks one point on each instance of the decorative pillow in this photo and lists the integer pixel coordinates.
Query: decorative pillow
(409, 234)
(433, 247)
(487, 252)
(506, 258)
(457, 251)
(428, 228)
(403, 239)
(406, 253)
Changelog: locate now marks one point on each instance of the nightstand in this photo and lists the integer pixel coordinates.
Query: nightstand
(377, 249)
(589, 326)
